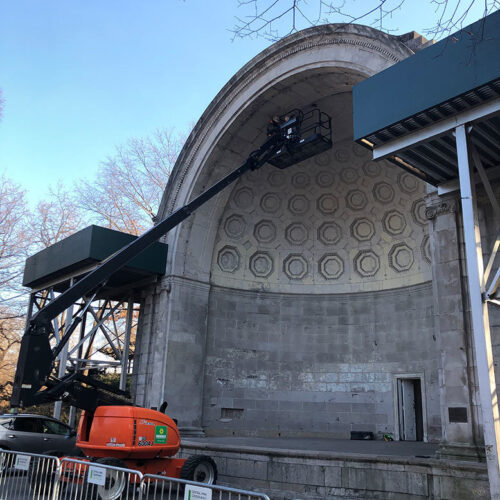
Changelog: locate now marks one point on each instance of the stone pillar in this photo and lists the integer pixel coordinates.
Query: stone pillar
(169, 360)
(458, 413)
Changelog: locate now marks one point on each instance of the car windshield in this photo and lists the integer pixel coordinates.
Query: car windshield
(6, 422)
(52, 427)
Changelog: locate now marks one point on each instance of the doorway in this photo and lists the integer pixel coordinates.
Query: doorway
(409, 405)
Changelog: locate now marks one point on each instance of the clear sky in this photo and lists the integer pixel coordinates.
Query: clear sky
(80, 77)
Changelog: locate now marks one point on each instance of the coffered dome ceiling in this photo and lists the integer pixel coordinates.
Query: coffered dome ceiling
(336, 223)
(332, 224)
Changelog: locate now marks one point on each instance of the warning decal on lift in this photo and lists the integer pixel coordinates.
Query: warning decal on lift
(160, 434)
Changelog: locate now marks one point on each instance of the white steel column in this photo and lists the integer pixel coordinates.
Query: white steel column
(126, 344)
(63, 357)
(479, 315)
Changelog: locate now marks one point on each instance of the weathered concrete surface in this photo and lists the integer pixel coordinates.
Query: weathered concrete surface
(457, 375)
(314, 475)
(302, 365)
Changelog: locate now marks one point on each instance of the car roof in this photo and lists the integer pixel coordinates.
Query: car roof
(17, 415)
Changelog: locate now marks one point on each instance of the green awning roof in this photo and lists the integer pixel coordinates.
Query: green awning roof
(81, 251)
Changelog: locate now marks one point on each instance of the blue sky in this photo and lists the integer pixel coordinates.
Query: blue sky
(80, 77)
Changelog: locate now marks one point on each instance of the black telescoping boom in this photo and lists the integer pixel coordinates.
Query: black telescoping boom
(33, 383)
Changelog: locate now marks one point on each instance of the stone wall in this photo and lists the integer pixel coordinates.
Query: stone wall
(320, 365)
(286, 475)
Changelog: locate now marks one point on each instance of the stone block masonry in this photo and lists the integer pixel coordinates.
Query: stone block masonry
(308, 475)
(304, 366)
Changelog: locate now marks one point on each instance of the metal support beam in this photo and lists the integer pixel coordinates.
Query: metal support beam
(454, 185)
(97, 325)
(491, 260)
(479, 315)
(439, 128)
(63, 357)
(126, 344)
(31, 303)
(72, 409)
(486, 182)
(496, 213)
(102, 328)
(494, 286)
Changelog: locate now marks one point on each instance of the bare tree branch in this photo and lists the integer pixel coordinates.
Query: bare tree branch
(126, 193)
(13, 244)
(273, 19)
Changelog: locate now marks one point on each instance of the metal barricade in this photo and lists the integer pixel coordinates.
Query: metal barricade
(169, 488)
(82, 480)
(29, 476)
(26, 476)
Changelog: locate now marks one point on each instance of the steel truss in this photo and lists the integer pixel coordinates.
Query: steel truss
(105, 338)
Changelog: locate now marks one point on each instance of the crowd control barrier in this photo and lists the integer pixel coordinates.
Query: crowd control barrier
(30, 476)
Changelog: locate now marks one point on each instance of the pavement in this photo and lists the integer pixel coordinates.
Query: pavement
(341, 446)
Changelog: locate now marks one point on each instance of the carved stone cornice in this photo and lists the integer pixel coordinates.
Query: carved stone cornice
(437, 205)
(445, 207)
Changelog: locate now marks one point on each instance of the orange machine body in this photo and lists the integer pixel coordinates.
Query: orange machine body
(128, 433)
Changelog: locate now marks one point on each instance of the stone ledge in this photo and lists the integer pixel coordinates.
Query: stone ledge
(435, 463)
(300, 474)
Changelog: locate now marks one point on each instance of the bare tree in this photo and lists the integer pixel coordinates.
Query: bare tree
(10, 339)
(126, 193)
(54, 219)
(23, 232)
(13, 248)
(13, 251)
(273, 19)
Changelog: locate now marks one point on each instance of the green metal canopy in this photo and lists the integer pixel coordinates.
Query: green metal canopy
(453, 77)
(82, 251)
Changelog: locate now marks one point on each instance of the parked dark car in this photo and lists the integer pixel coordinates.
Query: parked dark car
(36, 434)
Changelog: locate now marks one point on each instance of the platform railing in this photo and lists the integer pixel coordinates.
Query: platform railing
(30, 476)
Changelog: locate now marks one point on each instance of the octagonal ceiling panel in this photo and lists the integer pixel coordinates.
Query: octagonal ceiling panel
(336, 223)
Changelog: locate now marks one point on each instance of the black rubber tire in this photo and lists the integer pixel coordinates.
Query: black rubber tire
(111, 490)
(199, 468)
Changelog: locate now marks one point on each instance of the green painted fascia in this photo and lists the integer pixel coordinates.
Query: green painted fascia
(85, 247)
(458, 64)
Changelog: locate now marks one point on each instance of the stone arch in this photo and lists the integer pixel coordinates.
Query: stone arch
(361, 50)
(180, 325)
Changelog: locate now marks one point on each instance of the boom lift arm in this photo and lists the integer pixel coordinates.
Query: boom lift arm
(34, 382)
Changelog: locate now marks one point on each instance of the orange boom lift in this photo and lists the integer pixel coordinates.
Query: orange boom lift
(113, 431)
